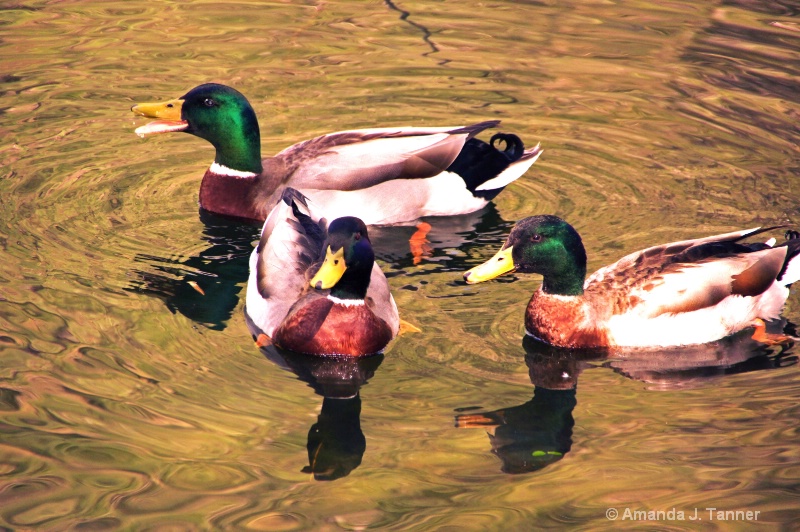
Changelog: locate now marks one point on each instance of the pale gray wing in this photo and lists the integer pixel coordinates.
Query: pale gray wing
(354, 160)
(640, 260)
(291, 242)
(383, 304)
(688, 275)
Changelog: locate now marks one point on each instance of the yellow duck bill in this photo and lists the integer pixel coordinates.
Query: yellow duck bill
(331, 271)
(168, 113)
(501, 263)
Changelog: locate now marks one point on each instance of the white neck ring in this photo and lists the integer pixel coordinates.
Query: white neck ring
(221, 169)
(346, 302)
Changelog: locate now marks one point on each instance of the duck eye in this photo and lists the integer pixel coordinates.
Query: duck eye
(208, 102)
(357, 236)
(536, 237)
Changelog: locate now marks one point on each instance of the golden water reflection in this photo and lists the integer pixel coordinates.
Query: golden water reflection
(535, 434)
(129, 399)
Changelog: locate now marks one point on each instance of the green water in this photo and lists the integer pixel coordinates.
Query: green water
(128, 400)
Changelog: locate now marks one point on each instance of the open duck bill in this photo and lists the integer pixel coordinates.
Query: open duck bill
(332, 269)
(501, 263)
(168, 113)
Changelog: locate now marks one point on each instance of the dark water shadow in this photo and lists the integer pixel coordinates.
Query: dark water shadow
(537, 433)
(426, 33)
(336, 443)
(206, 287)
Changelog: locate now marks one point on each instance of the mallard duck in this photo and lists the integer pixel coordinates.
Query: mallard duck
(688, 292)
(315, 288)
(383, 176)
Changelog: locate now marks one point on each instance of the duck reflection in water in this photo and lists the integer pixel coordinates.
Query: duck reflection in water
(538, 433)
(336, 443)
(698, 365)
(205, 287)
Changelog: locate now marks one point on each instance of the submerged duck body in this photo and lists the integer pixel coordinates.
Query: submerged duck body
(681, 293)
(382, 176)
(314, 287)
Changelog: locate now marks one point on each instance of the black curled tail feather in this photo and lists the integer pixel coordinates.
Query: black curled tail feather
(479, 161)
(514, 147)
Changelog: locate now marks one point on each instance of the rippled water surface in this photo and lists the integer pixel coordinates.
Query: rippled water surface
(128, 399)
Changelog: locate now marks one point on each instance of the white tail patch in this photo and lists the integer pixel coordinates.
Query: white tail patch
(512, 173)
(792, 273)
